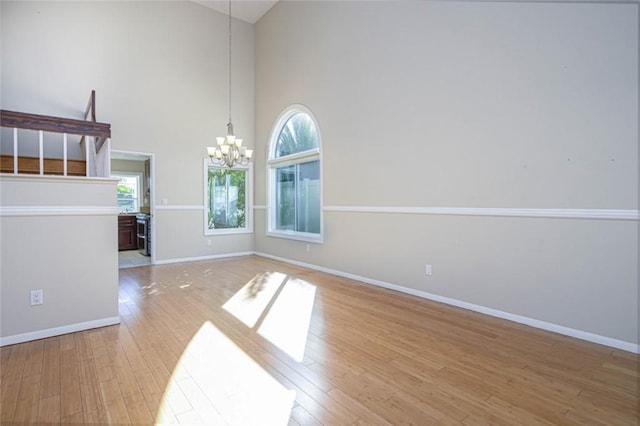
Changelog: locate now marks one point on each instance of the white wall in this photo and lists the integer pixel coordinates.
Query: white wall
(160, 71)
(478, 105)
(58, 235)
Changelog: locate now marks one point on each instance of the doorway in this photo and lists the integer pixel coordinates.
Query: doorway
(136, 225)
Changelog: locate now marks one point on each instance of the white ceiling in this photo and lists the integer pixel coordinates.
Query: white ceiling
(247, 10)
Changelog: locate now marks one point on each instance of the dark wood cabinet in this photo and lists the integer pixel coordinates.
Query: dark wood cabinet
(127, 235)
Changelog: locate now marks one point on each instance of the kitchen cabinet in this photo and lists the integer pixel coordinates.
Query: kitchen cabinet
(127, 235)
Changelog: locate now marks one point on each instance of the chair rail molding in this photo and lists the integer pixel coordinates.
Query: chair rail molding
(602, 214)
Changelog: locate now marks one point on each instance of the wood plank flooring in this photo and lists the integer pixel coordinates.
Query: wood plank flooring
(253, 341)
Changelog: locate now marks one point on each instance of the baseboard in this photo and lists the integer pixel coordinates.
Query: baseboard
(578, 334)
(57, 331)
(198, 258)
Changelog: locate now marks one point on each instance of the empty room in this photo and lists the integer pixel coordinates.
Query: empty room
(305, 212)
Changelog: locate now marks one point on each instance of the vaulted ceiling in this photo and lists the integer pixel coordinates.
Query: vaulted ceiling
(247, 10)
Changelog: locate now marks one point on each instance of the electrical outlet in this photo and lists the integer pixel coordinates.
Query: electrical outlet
(308, 247)
(37, 297)
(209, 242)
(427, 269)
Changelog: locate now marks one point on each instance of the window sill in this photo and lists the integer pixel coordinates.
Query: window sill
(227, 231)
(297, 236)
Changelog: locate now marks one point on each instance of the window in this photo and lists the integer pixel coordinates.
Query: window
(295, 191)
(227, 199)
(129, 192)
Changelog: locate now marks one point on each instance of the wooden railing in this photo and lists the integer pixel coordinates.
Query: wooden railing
(94, 136)
(98, 160)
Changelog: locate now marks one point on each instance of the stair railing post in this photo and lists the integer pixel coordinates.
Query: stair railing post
(64, 154)
(15, 150)
(41, 146)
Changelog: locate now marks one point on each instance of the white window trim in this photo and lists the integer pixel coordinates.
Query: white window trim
(297, 158)
(140, 177)
(248, 197)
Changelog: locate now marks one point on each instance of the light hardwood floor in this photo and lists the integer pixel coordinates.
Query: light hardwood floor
(253, 341)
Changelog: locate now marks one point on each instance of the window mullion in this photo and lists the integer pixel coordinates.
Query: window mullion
(296, 191)
(290, 160)
(226, 199)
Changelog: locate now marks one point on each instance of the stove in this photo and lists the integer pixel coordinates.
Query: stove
(144, 233)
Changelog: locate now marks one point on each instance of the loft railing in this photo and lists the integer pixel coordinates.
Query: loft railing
(95, 138)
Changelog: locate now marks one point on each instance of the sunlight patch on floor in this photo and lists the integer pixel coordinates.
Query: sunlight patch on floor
(278, 307)
(250, 301)
(216, 382)
(286, 325)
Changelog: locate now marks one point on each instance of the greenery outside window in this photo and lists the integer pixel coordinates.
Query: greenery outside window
(295, 193)
(227, 196)
(129, 191)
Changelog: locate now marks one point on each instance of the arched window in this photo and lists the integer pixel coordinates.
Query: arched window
(295, 189)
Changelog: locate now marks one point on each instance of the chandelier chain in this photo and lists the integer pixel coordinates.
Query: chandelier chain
(229, 151)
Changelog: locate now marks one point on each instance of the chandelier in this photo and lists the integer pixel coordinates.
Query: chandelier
(229, 151)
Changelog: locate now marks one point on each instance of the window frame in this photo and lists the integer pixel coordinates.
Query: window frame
(139, 184)
(248, 200)
(274, 163)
